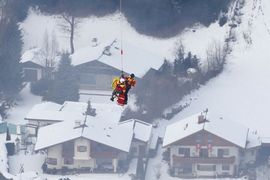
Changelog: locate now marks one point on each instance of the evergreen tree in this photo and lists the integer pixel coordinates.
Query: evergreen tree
(187, 62)
(10, 53)
(166, 68)
(65, 86)
(179, 58)
(195, 62)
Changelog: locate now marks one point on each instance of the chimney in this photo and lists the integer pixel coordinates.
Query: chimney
(201, 119)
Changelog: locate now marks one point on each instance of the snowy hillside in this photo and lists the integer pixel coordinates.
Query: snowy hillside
(140, 52)
(241, 92)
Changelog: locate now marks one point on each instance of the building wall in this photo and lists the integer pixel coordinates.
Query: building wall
(194, 152)
(90, 81)
(32, 74)
(55, 152)
(250, 155)
(82, 149)
(136, 145)
(211, 143)
(82, 156)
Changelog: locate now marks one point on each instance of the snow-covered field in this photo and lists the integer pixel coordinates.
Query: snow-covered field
(240, 93)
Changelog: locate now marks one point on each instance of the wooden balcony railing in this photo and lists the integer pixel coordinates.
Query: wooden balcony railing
(178, 160)
(103, 154)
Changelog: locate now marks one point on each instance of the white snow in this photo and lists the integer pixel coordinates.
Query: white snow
(25, 103)
(241, 92)
(226, 129)
(55, 112)
(142, 130)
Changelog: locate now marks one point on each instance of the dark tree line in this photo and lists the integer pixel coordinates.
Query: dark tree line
(12, 12)
(161, 18)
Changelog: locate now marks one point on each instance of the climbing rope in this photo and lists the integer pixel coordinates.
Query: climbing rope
(121, 37)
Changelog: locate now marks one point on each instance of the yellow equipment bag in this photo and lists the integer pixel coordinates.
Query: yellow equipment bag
(115, 82)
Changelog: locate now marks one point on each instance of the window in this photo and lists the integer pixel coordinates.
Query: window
(204, 153)
(225, 167)
(68, 160)
(51, 161)
(81, 148)
(206, 167)
(184, 151)
(223, 152)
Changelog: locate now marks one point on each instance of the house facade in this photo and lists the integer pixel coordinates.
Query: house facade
(92, 147)
(86, 155)
(204, 154)
(32, 71)
(205, 148)
(89, 143)
(95, 75)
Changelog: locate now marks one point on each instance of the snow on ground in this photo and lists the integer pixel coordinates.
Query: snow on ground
(241, 92)
(21, 161)
(140, 52)
(24, 104)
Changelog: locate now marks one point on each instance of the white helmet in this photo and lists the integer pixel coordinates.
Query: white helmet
(122, 80)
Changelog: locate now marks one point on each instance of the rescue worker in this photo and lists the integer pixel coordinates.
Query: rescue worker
(130, 82)
(119, 88)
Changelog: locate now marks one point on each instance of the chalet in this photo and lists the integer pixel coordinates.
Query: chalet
(94, 145)
(74, 140)
(202, 147)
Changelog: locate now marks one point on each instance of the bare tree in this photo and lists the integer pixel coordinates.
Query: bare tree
(215, 56)
(69, 25)
(54, 49)
(49, 52)
(45, 49)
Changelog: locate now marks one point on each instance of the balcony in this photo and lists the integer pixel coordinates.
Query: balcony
(103, 154)
(178, 160)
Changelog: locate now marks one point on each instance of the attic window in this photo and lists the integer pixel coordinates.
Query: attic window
(108, 135)
(81, 148)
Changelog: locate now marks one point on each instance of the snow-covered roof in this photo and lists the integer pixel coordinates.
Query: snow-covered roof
(265, 140)
(101, 131)
(132, 57)
(102, 128)
(253, 139)
(228, 130)
(50, 111)
(142, 130)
